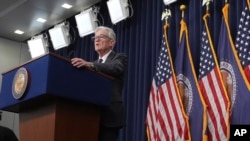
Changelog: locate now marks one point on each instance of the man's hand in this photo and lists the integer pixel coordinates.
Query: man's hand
(78, 62)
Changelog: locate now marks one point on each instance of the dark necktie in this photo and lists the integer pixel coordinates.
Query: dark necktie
(100, 61)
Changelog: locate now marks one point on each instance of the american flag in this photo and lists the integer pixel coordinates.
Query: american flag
(189, 88)
(242, 42)
(233, 74)
(212, 89)
(166, 120)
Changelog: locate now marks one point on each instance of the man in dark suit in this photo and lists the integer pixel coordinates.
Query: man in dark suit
(113, 64)
(7, 135)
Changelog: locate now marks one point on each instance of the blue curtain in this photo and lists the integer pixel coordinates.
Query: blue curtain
(140, 38)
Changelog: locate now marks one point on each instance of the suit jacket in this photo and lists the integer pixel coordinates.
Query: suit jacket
(7, 134)
(115, 65)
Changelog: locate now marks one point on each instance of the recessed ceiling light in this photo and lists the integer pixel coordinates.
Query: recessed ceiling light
(19, 32)
(41, 20)
(66, 5)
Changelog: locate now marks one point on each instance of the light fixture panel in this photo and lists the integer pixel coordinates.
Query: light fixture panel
(59, 37)
(86, 23)
(167, 2)
(118, 10)
(37, 47)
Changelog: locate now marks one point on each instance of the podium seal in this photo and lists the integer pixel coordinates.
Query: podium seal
(20, 82)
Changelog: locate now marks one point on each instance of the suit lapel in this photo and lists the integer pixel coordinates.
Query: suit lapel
(111, 56)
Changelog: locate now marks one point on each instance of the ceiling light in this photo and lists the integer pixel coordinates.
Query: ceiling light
(86, 22)
(38, 46)
(41, 20)
(60, 36)
(19, 32)
(118, 10)
(66, 5)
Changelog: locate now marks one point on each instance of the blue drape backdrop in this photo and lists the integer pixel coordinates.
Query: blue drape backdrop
(140, 38)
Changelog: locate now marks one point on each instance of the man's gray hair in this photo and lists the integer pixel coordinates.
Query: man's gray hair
(111, 32)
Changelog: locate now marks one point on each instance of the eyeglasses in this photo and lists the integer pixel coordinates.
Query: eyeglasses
(101, 37)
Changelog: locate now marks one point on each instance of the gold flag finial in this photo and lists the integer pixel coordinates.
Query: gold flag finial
(166, 14)
(207, 3)
(182, 8)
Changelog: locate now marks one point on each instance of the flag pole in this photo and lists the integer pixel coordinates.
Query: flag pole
(207, 6)
(248, 4)
(182, 8)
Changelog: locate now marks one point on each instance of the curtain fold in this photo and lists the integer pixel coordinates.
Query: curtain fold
(140, 38)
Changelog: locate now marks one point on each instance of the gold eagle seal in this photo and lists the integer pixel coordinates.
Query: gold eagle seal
(20, 83)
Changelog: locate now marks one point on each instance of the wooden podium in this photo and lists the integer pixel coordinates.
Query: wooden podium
(59, 102)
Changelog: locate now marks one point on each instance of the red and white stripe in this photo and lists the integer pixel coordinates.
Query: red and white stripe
(215, 97)
(165, 118)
